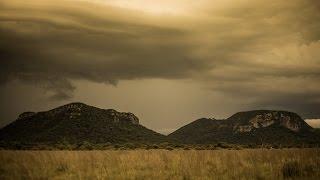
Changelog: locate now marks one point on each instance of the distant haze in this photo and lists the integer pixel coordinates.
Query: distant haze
(315, 123)
(168, 62)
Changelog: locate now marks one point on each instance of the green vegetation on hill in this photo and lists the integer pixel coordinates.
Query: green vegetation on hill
(79, 126)
(78, 123)
(261, 127)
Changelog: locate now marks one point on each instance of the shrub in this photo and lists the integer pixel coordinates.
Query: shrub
(169, 148)
(178, 146)
(129, 146)
(155, 146)
(86, 146)
(223, 145)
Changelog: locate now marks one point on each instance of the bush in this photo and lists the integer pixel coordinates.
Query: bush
(178, 146)
(86, 146)
(129, 146)
(223, 145)
(169, 148)
(155, 146)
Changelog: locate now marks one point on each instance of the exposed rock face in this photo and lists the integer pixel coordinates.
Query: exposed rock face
(262, 119)
(74, 110)
(251, 127)
(128, 117)
(26, 115)
(245, 128)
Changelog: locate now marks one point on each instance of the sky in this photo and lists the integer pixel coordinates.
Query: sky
(168, 62)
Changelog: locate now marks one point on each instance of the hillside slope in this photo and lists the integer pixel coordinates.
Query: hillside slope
(77, 123)
(251, 127)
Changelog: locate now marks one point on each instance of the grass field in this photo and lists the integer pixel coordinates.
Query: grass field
(162, 164)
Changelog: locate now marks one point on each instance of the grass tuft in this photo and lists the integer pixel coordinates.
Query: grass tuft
(291, 169)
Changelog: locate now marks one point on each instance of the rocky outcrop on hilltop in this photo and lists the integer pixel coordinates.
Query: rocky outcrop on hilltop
(76, 123)
(251, 127)
(249, 121)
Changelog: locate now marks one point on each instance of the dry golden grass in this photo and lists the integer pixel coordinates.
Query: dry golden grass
(161, 164)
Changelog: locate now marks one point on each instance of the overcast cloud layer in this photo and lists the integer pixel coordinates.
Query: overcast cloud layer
(240, 54)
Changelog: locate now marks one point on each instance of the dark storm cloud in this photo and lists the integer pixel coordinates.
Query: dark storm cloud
(70, 43)
(268, 51)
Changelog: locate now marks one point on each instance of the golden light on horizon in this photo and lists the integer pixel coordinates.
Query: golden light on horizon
(150, 7)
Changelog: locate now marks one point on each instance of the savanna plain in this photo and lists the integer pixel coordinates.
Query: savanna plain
(162, 164)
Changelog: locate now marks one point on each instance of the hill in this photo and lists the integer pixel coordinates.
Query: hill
(77, 123)
(251, 127)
